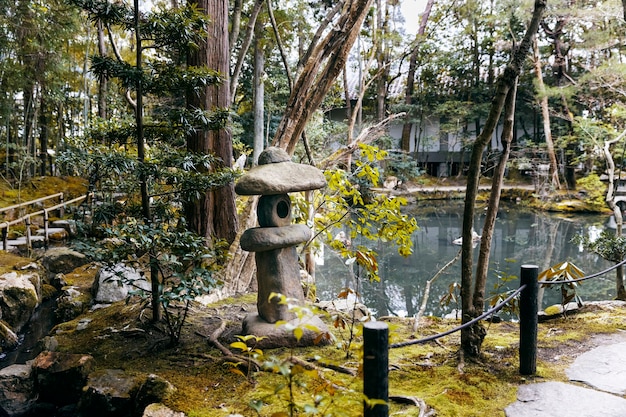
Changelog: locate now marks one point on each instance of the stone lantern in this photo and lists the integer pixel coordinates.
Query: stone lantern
(274, 243)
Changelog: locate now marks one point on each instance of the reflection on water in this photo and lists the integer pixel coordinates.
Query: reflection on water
(520, 237)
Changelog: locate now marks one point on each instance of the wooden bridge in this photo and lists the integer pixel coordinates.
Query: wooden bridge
(30, 214)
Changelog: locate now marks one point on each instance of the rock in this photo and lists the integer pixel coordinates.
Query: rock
(276, 174)
(159, 410)
(280, 178)
(68, 225)
(8, 338)
(277, 272)
(108, 393)
(273, 155)
(599, 369)
(153, 390)
(274, 210)
(259, 239)
(345, 306)
(18, 298)
(114, 284)
(60, 377)
(71, 304)
(283, 336)
(62, 260)
(56, 234)
(17, 390)
(549, 399)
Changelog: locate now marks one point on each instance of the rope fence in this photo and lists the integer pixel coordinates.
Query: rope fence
(376, 335)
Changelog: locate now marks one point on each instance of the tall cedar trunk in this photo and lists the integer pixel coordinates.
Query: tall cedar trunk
(545, 114)
(258, 93)
(405, 141)
(469, 343)
(214, 214)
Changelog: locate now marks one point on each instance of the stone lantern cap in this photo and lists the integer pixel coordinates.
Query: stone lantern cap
(276, 174)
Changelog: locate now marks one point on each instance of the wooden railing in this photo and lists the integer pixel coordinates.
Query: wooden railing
(45, 212)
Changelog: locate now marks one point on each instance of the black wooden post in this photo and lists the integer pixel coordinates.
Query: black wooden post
(5, 237)
(528, 309)
(376, 367)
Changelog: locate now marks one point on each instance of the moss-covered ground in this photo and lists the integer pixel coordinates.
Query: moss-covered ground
(122, 337)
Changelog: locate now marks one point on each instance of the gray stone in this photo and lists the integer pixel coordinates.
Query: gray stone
(17, 390)
(114, 284)
(280, 178)
(160, 410)
(273, 155)
(555, 399)
(153, 390)
(260, 239)
(277, 272)
(108, 393)
(60, 377)
(62, 260)
(71, 304)
(56, 234)
(600, 368)
(274, 210)
(18, 298)
(68, 225)
(283, 335)
(8, 338)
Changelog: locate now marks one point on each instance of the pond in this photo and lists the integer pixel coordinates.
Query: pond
(521, 236)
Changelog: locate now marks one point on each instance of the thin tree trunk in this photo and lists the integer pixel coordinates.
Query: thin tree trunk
(258, 94)
(620, 291)
(506, 81)
(279, 43)
(234, 77)
(545, 114)
(482, 265)
(102, 82)
(44, 135)
(410, 78)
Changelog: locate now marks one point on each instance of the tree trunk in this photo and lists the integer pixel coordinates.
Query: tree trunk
(482, 265)
(258, 94)
(102, 82)
(325, 61)
(214, 214)
(44, 134)
(505, 82)
(234, 78)
(405, 141)
(545, 114)
(620, 291)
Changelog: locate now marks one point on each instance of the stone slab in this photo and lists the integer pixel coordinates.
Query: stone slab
(277, 336)
(557, 399)
(601, 368)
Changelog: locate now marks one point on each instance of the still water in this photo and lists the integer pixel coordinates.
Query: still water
(521, 237)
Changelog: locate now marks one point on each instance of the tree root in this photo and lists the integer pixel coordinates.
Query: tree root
(424, 409)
